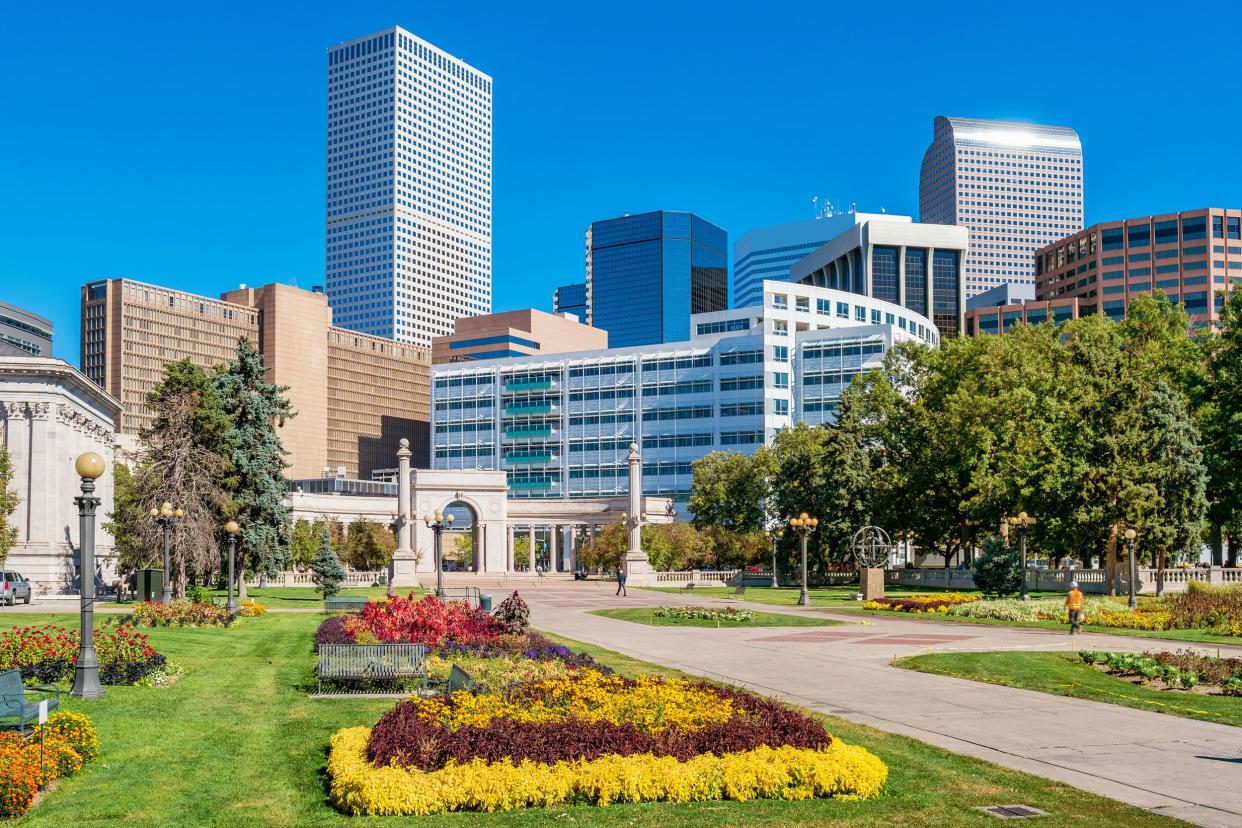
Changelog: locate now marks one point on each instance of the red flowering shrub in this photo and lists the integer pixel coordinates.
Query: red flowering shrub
(403, 737)
(48, 653)
(429, 621)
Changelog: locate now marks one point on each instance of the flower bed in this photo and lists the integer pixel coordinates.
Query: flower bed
(938, 602)
(26, 766)
(48, 653)
(1182, 670)
(595, 738)
(428, 621)
(733, 614)
(182, 612)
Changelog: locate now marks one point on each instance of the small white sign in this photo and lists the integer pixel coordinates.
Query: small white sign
(43, 712)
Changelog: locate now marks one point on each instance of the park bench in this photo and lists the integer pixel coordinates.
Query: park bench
(337, 604)
(739, 591)
(468, 594)
(371, 662)
(15, 710)
(688, 586)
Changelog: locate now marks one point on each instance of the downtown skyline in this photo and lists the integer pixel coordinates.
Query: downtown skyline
(120, 210)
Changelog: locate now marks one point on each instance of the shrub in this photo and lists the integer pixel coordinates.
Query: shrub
(513, 615)
(182, 612)
(1218, 608)
(429, 621)
(358, 787)
(332, 631)
(998, 572)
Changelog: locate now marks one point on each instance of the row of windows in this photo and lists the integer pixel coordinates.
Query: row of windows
(723, 327)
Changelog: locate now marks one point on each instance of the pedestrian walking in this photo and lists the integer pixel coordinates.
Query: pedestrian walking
(1073, 605)
(621, 581)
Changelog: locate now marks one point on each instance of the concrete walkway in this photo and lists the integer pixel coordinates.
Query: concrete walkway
(1179, 767)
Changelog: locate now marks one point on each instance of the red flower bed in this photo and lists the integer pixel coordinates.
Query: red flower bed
(47, 654)
(404, 738)
(429, 621)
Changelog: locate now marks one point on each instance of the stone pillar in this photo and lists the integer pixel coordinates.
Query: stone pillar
(509, 562)
(635, 559)
(402, 570)
(554, 548)
(571, 548)
(530, 552)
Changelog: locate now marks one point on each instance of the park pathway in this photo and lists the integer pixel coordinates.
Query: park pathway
(1179, 767)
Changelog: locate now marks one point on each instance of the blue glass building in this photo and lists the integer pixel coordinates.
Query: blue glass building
(646, 274)
(572, 299)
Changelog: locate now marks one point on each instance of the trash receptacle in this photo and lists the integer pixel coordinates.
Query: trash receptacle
(485, 602)
(150, 585)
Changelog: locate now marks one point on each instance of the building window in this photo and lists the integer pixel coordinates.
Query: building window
(884, 273)
(780, 379)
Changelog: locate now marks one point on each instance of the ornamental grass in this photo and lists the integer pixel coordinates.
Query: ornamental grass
(359, 787)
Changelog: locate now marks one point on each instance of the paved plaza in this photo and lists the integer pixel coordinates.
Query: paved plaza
(1180, 767)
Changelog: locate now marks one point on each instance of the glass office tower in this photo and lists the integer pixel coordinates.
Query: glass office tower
(646, 274)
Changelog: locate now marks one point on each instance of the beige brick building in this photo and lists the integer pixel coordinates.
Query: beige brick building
(356, 395)
(527, 332)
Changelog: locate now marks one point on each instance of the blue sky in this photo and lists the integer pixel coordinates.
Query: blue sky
(183, 144)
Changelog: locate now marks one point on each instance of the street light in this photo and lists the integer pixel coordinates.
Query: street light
(1022, 522)
(166, 516)
(972, 528)
(437, 523)
(232, 529)
(86, 685)
(804, 525)
(1130, 535)
(775, 534)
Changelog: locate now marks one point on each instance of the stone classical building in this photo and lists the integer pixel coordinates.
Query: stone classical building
(49, 414)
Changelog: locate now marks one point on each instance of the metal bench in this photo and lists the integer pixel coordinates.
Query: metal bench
(15, 711)
(371, 662)
(688, 586)
(739, 591)
(468, 594)
(336, 604)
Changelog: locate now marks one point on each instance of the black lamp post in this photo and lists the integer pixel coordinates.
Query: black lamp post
(1130, 535)
(166, 516)
(86, 684)
(437, 523)
(232, 529)
(804, 525)
(1022, 522)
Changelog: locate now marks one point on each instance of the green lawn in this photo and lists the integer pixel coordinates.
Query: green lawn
(300, 597)
(1066, 675)
(237, 742)
(842, 599)
(642, 615)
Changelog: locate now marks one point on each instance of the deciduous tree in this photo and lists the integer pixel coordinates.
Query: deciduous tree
(8, 503)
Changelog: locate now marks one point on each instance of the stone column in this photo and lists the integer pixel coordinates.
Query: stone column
(402, 571)
(571, 548)
(530, 551)
(509, 562)
(554, 548)
(635, 559)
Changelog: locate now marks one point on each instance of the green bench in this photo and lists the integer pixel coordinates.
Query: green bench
(336, 604)
(371, 662)
(688, 586)
(739, 591)
(15, 711)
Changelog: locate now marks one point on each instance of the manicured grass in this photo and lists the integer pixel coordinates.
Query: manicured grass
(1065, 675)
(842, 599)
(643, 615)
(237, 742)
(297, 597)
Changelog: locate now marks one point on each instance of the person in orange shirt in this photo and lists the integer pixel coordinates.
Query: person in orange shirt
(1073, 604)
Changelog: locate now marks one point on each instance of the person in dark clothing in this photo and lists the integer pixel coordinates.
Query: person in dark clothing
(621, 581)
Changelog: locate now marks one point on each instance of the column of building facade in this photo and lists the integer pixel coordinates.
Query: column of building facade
(509, 562)
(554, 548)
(530, 551)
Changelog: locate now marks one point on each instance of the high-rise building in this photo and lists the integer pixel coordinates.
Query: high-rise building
(1017, 186)
(917, 266)
(572, 299)
(1189, 256)
(409, 212)
(647, 274)
(356, 395)
(527, 332)
(561, 425)
(768, 252)
(23, 333)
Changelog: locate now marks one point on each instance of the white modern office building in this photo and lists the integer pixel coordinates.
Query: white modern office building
(409, 180)
(917, 266)
(1017, 186)
(561, 425)
(768, 252)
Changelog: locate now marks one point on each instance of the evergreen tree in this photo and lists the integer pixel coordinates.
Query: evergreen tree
(998, 571)
(326, 568)
(8, 503)
(257, 457)
(1222, 428)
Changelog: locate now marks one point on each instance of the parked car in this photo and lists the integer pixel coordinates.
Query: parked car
(13, 585)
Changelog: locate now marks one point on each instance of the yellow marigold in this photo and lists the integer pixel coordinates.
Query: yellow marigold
(650, 703)
(357, 787)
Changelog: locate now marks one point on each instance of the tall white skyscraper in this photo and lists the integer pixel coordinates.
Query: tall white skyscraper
(1017, 186)
(409, 213)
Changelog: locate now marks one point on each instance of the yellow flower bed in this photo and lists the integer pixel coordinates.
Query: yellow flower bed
(938, 602)
(649, 703)
(362, 789)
